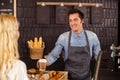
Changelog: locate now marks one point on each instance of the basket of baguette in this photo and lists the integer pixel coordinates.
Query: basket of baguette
(36, 48)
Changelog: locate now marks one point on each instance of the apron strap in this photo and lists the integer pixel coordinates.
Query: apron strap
(87, 40)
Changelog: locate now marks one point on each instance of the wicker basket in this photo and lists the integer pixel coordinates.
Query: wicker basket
(36, 53)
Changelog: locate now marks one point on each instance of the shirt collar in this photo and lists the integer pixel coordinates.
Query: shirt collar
(77, 35)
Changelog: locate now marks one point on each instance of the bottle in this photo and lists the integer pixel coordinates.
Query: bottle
(113, 51)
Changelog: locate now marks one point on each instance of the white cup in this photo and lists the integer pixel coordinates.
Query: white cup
(42, 63)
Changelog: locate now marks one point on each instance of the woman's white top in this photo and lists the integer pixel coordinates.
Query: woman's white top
(18, 72)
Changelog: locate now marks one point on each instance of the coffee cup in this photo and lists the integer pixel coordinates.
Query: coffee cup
(42, 63)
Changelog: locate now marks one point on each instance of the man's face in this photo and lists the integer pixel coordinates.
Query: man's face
(75, 23)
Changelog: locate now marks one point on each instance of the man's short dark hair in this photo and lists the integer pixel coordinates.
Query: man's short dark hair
(72, 11)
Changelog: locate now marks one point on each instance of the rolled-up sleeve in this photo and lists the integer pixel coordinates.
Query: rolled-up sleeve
(54, 54)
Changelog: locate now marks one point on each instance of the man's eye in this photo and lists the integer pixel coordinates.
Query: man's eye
(75, 19)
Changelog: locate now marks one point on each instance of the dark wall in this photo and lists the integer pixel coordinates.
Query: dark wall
(107, 31)
(119, 22)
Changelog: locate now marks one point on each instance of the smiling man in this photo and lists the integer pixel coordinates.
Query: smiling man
(79, 45)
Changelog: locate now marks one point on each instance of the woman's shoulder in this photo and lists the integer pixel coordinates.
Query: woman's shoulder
(19, 63)
(19, 71)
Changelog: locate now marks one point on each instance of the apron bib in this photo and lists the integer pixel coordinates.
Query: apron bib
(78, 62)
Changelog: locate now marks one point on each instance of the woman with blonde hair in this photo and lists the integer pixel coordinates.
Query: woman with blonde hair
(11, 68)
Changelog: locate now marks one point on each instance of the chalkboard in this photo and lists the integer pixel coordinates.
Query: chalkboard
(61, 14)
(96, 15)
(43, 15)
(8, 6)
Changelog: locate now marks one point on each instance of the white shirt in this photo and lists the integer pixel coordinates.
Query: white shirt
(18, 72)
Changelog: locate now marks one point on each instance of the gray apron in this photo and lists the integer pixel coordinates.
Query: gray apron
(78, 61)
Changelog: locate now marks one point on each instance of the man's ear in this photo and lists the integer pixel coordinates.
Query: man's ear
(82, 20)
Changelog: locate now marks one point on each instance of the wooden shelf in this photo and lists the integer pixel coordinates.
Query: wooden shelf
(69, 3)
(15, 13)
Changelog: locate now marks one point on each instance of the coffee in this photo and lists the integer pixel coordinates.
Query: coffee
(42, 64)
